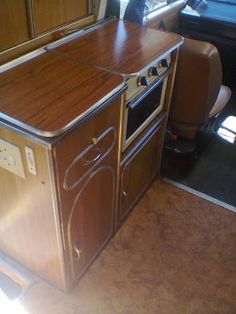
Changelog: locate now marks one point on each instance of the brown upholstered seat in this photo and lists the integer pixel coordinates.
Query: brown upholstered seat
(198, 93)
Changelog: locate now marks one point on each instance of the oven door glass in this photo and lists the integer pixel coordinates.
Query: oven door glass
(142, 111)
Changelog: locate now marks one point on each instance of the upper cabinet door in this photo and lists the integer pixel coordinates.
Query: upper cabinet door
(53, 13)
(13, 23)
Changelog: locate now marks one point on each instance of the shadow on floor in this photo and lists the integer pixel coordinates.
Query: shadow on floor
(213, 172)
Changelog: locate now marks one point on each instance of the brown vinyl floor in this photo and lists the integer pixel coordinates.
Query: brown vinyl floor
(175, 254)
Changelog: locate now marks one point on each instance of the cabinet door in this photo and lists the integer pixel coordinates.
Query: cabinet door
(87, 163)
(13, 23)
(53, 13)
(138, 170)
(91, 219)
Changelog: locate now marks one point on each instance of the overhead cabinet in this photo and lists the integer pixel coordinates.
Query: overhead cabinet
(14, 24)
(54, 13)
(28, 24)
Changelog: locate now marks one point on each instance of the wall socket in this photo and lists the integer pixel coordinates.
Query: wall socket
(10, 158)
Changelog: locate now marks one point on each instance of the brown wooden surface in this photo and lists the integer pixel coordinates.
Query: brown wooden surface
(39, 41)
(121, 46)
(53, 13)
(88, 209)
(49, 92)
(27, 221)
(13, 23)
(139, 170)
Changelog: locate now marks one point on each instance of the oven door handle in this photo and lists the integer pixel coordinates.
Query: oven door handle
(132, 104)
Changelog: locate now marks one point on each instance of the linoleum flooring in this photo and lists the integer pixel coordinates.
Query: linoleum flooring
(175, 254)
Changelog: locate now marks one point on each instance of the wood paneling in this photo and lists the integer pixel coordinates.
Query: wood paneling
(53, 13)
(13, 23)
(28, 231)
(88, 208)
(50, 92)
(121, 46)
(140, 169)
(42, 40)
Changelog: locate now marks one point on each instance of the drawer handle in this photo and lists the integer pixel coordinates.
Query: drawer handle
(94, 140)
(78, 252)
(98, 155)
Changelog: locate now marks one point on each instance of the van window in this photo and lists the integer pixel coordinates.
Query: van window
(136, 11)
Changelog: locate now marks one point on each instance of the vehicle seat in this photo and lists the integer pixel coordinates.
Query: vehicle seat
(198, 94)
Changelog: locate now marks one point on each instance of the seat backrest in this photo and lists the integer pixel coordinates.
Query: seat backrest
(197, 84)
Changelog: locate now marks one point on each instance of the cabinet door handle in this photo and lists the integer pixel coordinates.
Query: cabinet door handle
(78, 252)
(124, 193)
(95, 158)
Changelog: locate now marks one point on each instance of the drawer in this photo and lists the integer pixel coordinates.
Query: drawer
(80, 151)
(82, 164)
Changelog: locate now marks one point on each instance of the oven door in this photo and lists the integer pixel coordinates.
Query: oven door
(140, 112)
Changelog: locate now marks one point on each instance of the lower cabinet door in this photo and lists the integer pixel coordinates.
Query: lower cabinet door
(138, 170)
(90, 223)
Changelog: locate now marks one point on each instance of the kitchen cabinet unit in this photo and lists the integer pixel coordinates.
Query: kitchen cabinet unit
(59, 141)
(147, 59)
(14, 27)
(81, 133)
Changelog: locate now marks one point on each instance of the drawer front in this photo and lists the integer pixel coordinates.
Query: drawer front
(80, 151)
(82, 164)
(139, 170)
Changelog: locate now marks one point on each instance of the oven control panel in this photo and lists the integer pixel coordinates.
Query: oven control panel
(152, 73)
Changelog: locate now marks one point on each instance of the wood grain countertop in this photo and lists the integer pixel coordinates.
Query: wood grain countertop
(120, 46)
(49, 94)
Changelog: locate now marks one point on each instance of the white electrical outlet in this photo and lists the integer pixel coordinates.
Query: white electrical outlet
(30, 160)
(10, 158)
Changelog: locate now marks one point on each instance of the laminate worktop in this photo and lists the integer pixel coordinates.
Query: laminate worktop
(120, 46)
(49, 94)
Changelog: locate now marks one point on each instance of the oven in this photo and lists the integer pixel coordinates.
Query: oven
(144, 99)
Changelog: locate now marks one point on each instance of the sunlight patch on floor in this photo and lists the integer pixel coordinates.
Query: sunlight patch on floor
(10, 307)
(227, 130)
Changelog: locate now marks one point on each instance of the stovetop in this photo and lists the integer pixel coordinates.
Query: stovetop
(120, 46)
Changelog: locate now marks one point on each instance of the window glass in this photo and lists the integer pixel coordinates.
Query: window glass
(123, 5)
(147, 7)
(152, 5)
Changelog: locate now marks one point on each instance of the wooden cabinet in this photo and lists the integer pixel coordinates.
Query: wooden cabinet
(26, 25)
(14, 28)
(62, 215)
(87, 164)
(139, 168)
(53, 13)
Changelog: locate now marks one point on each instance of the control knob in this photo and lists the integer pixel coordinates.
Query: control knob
(153, 71)
(142, 81)
(163, 63)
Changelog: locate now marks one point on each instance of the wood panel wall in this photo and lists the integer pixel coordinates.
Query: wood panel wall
(27, 24)
(51, 14)
(14, 28)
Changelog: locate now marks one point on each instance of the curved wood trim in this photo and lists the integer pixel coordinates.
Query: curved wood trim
(67, 186)
(71, 216)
